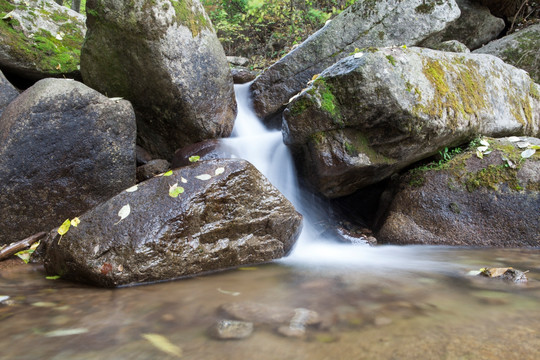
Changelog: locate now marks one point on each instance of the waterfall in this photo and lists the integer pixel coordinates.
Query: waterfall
(265, 149)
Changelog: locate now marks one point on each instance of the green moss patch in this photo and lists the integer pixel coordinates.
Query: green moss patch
(195, 21)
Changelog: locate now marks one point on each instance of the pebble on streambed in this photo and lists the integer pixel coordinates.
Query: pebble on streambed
(231, 329)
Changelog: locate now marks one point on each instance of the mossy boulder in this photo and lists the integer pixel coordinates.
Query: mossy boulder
(364, 24)
(64, 148)
(521, 49)
(468, 201)
(163, 56)
(39, 39)
(227, 215)
(474, 28)
(376, 112)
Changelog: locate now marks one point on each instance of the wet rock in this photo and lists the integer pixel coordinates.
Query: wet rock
(493, 201)
(227, 215)
(452, 46)
(38, 44)
(521, 49)
(151, 169)
(242, 75)
(142, 155)
(231, 329)
(267, 314)
(364, 24)
(7, 92)
(474, 28)
(376, 112)
(170, 65)
(206, 150)
(507, 274)
(65, 148)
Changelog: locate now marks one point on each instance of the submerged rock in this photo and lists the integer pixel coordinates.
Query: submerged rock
(64, 148)
(259, 313)
(209, 216)
(521, 49)
(39, 39)
(231, 329)
(363, 24)
(374, 113)
(164, 57)
(469, 201)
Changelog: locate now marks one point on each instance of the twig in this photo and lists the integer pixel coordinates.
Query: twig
(517, 13)
(20, 245)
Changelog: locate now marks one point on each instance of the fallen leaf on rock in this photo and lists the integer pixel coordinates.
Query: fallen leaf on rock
(183, 180)
(163, 344)
(522, 144)
(175, 190)
(482, 148)
(484, 142)
(505, 273)
(194, 158)
(203, 177)
(132, 189)
(63, 229)
(168, 173)
(123, 213)
(25, 255)
(219, 171)
(528, 153)
(513, 139)
(75, 222)
(479, 154)
(66, 332)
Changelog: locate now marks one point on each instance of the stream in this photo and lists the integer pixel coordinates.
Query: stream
(385, 302)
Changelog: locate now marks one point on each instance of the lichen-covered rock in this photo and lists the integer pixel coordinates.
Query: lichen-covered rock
(39, 39)
(164, 57)
(521, 49)
(64, 148)
(474, 28)
(209, 216)
(493, 201)
(452, 46)
(8, 92)
(366, 23)
(374, 113)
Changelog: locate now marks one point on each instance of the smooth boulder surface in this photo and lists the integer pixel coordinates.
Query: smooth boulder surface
(8, 92)
(64, 148)
(164, 57)
(474, 28)
(366, 23)
(39, 39)
(374, 113)
(493, 201)
(227, 215)
(521, 49)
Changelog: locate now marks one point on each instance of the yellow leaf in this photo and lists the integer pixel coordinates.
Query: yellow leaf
(64, 227)
(168, 173)
(163, 344)
(194, 158)
(75, 221)
(495, 272)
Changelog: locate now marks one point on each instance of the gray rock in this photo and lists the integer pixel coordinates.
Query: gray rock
(205, 150)
(39, 39)
(151, 169)
(452, 46)
(374, 113)
(364, 24)
(271, 315)
(242, 75)
(228, 215)
(8, 92)
(170, 65)
(231, 329)
(468, 202)
(474, 28)
(237, 60)
(65, 148)
(521, 49)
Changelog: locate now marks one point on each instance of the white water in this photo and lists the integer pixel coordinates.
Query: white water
(265, 149)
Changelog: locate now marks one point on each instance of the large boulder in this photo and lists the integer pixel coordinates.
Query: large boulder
(521, 49)
(374, 113)
(469, 201)
(474, 28)
(227, 215)
(8, 92)
(64, 148)
(164, 57)
(39, 39)
(366, 23)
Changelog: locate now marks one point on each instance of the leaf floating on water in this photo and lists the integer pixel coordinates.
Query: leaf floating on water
(54, 277)
(175, 190)
(203, 177)
(194, 158)
(163, 344)
(66, 332)
(219, 171)
(132, 189)
(75, 222)
(232, 293)
(528, 153)
(123, 213)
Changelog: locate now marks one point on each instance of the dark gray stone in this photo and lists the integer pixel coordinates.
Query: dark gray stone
(8, 92)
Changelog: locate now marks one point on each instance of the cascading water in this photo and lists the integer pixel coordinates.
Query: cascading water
(265, 149)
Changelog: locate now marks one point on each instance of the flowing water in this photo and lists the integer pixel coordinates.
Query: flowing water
(385, 302)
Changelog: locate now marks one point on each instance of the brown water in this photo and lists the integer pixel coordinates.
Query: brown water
(433, 312)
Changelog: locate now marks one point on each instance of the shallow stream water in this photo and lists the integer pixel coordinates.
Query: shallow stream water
(385, 302)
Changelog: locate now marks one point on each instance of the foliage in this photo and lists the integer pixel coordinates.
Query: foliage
(265, 30)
